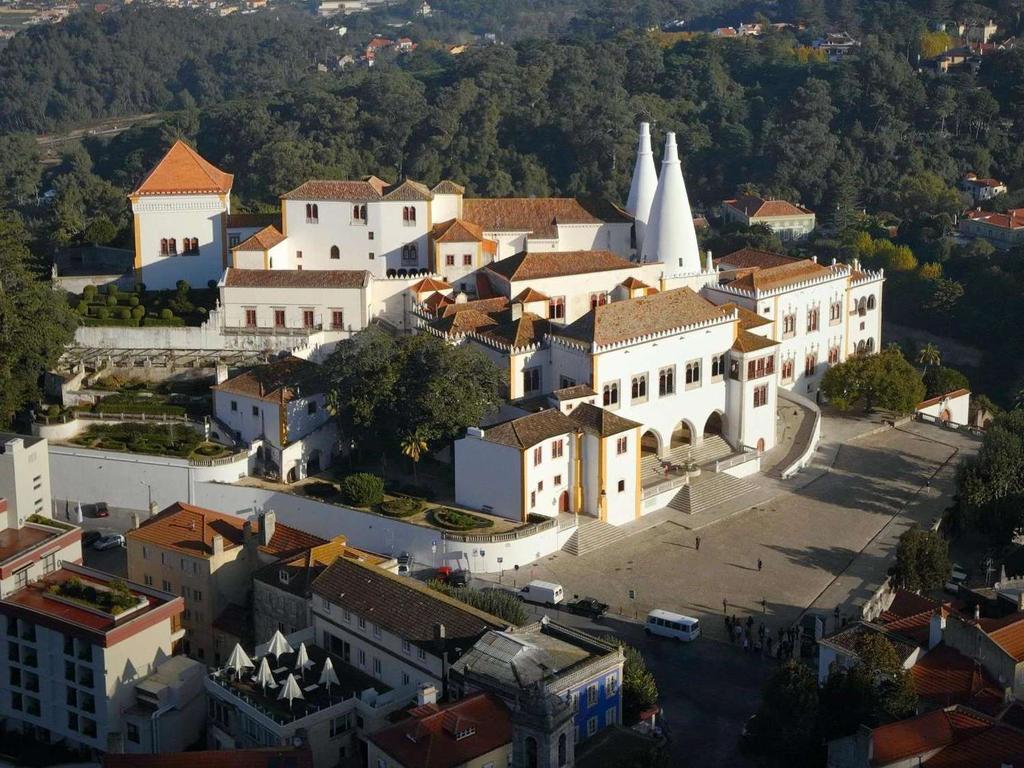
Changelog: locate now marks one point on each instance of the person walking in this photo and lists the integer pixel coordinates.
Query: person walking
(696, 544)
(725, 605)
(759, 564)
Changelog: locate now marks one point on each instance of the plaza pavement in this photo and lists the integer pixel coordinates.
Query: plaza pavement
(826, 537)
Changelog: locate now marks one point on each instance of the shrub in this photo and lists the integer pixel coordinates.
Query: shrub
(159, 322)
(53, 411)
(456, 520)
(102, 313)
(138, 312)
(362, 489)
(124, 313)
(183, 286)
(403, 507)
(89, 292)
(166, 314)
(112, 289)
(111, 301)
(133, 301)
(83, 308)
(504, 605)
(320, 490)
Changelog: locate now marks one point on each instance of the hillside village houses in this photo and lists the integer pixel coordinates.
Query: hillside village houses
(582, 302)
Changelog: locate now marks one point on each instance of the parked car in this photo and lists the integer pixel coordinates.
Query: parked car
(91, 537)
(587, 606)
(453, 577)
(403, 569)
(405, 559)
(109, 541)
(100, 509)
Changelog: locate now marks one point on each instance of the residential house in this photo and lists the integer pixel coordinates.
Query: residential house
(788, 220)
(836, 45)
(25, 475)
(209, 558)
(981, 189)
(1002, 230)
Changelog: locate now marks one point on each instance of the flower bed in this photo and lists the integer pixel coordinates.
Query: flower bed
(174, 440)
(40, 520)
(113, 600)
(457, 520)
(400, 507)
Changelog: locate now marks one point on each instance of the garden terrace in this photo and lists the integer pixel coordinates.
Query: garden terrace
(173, 308)
(175, 440)
(115, 598)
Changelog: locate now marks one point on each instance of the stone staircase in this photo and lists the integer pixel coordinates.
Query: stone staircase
(592, 534)
(713, 448)
(708, 490)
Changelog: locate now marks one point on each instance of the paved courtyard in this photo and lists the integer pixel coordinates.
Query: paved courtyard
(824, 538)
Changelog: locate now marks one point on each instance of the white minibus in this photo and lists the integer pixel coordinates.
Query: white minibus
(674, 625)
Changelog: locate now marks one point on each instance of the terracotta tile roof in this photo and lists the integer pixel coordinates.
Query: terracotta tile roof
(448, 736)
(643, 316)
(748, 318)
(759, 207)
(263, 240)
(752, 257)
(278, 382)
(435, 300)
(846, 639)
(190, 530)
(1010, 638)
(274, 757)
(945, 676)
(303, 569)
(769, 278)
(528, 295)
(285, 279)
(922, 734)
(906, 604)
(448, 187)
(538, 216)
(409, 190)
(402, 606)
(751, 342)
(429, 284)
(457, 231)
(599, 421)
(526, 431)
(462, 322)
(183, 172)
(993, 747)
(633, 284)
(494, 304)
(249, 220)
(1012, 219)
(574, 392)
(538, 265)
(350, 191)
(529, 329)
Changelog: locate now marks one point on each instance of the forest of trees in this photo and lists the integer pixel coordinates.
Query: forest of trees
(556, 115)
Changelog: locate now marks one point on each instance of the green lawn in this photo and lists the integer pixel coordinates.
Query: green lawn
(176, 440)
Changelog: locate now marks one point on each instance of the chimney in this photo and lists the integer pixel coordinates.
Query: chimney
(644, 185)
(222, 373)
(1020, 600)
(856, 265)
(440, 633)
(268, 522)
(671, 237)
(218, 545)
(814, 258)
(426, 694)
(936, 624)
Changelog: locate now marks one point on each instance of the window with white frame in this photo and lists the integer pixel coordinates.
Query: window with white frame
(667, 381)
(610, 394)
(638, 388)
(693, 374)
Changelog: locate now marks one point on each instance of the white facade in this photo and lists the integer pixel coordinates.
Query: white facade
(161, 219)
(242, 304)
(25, 476)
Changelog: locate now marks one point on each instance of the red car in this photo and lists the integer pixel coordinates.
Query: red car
(100, 510)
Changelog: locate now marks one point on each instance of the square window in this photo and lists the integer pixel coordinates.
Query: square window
(621, 445)
(557, 480)
(449, 260)
(622, 486)
(255, 410)
(467, 260)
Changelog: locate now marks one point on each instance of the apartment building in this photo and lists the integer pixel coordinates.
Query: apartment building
(25, 475)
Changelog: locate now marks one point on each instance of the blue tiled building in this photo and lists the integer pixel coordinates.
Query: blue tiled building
(570, 664)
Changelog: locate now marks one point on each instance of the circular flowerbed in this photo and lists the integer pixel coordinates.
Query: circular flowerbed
(400, 507)
(210, 449)
(457, 520)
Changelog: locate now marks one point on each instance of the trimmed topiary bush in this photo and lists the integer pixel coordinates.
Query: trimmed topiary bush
(183, 286)
(124, 313)
(112, 290)
(83, 308)
(133, 301)
(102, 313)
(53, 411)
(89, 292)
(401, 507)
(111, 301)
(138, 312)
(457, 520)
(362, 489)
(166, 314)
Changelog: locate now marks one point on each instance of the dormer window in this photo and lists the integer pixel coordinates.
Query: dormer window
(464, 733)
(283, 576)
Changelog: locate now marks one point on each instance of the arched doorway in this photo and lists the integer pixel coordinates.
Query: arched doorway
(713, 426)
(650, 445)
(945, 415)
(313, 463)
(682, 435)
(563, 502)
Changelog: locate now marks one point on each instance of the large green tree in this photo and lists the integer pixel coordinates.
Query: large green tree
(785, 732)
(922, 560)
(885, 380)
(384, 388)
(35, 320)
(990, 485)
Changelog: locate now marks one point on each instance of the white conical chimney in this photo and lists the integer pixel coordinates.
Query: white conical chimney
(671, 237)
(644, 186)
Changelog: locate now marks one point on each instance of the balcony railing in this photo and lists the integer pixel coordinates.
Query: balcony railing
(273, 330)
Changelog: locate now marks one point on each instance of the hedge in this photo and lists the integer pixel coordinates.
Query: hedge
(362, 489)
(401, 507)
(131, 322)
(155, 409)
(455, 520)
(160, 322)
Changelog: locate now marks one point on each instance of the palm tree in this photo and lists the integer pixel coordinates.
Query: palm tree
(929, 355)
(414, 447)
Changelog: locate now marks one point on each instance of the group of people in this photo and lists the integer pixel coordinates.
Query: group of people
(760, 640)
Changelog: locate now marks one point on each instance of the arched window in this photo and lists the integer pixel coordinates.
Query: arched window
(172, 246)
(335, 252)
(355, 212)
(362, 213)
(405, 214)
(610, 394)
(562, 746)
(412, 214)
(163, 247)
(530, 746)
(871, 301)
(861, 347)
(870, 345)
(862, 306)
(638, 388)
(194, 245)
(316, 212)
(309, 212)
(693, 373)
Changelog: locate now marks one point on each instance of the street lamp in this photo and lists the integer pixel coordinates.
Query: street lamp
(149, 488)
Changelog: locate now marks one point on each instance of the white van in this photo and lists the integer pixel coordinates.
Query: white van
(544, 592)
(674, 625)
